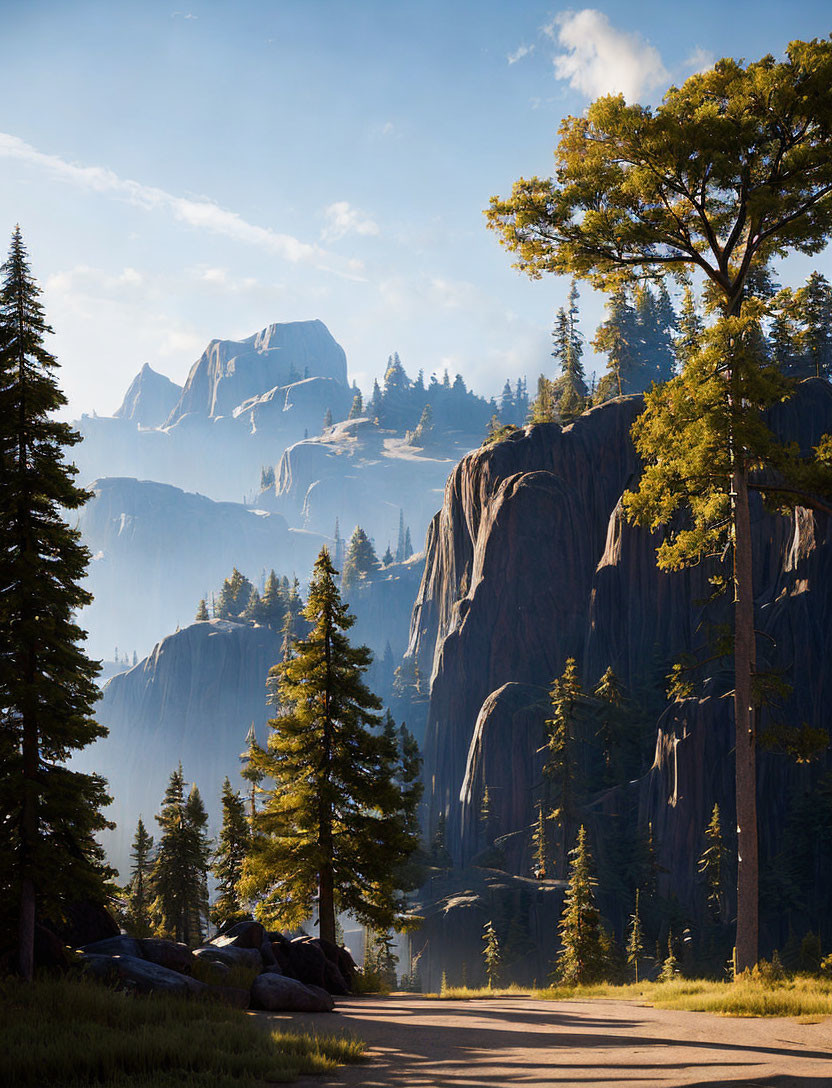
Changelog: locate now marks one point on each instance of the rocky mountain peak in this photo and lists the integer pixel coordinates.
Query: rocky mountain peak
(149, 398)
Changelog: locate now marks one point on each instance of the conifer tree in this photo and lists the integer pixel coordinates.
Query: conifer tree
(492, 955)
(179, 877)
(689, 327)
(487, 816)
(335, 823)
(616, 337)
(635, 940)
(387, 558)
(561, 766)
(408, 545)
(712, 866)
(49, 814)
(233, 597)
(583, 955)
(272, 608)
(611, 697)
(227, 863)
(507, 404)
(357, 409)
(361, 559)
(251, 773)
(423, 434)
(539, 844)
(292, 620)
(138, 891)
(670, 966)
(733, 168)
(266, 477)
(253, 610)
(543, 408)
(201, 612)
(439, 853)
(327, 419)
(400, 543)
(813, 310)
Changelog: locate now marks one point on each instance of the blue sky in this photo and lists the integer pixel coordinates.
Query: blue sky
(197, 172)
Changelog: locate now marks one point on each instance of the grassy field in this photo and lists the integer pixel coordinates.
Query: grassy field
(69, 1033)
(801, 995)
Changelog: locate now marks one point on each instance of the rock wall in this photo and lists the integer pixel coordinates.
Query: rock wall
(530, 561)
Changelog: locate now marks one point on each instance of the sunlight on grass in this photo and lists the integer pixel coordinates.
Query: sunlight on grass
(73, 1032)
(802, 995)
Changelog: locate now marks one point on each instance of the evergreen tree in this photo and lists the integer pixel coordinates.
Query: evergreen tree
(357, 409)
(251, 773)
(423, 435)
(784, 335)
(487, 817)
(440, 855)
(137, 918)
(492, 955)
(233, 597)
(387, 558)
(361, 559)
(400, 542)
(179, 877)
(272, 610)
(670, 967)
(617, 338)
(292, 620)
(656, 323)
(543, 408)
(734, 168)
(813, 306)
(611, 698)
(507, 404)
(266, 477)
(376, 406)
(689, 328)
(327, 419)
(521, 401)
(561, 766)
(712, 866)
(539, 844)
(336, 822)
(201, 612)
(253, 611)
(408, 546)
(49, 814)
(227, 865)
(583, 956)
(337, 547)
(570, 388)
(635, 940)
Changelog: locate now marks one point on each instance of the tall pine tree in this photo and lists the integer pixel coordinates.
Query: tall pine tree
(138, 892)
(227, 866)
(336, 824)
(49, 814)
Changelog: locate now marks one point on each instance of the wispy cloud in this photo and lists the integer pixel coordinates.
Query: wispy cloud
(200, 213)
(599, 58)
(342, 218)
(700, 60)
(520, 52)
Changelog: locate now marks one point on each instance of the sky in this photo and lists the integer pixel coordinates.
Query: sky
(186, 174)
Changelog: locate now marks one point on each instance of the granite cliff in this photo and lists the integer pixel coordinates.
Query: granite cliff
(531, 561)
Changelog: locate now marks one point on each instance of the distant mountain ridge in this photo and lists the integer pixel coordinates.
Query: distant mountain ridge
(149, 398)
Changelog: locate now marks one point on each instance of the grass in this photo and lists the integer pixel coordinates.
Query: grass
(76, 1033)
(801, 995)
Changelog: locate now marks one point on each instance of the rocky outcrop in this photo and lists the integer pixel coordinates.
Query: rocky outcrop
(149, 399)
(531, 561)
(157, 550)
(230, 372)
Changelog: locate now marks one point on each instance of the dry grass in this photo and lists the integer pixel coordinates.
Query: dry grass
(802, 995)
(75, 1033)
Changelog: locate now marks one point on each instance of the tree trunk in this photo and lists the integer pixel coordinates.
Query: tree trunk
(745, 726)
(28, 839)
(326, 904)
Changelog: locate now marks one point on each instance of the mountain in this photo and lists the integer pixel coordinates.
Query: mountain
(531, 561)
(149, 399)
(230, 372)
(157, 550)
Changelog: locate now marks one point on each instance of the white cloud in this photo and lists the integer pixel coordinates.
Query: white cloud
(342, 218)
(700, 60)
(601, 59)
(200, 213)
(520, 52)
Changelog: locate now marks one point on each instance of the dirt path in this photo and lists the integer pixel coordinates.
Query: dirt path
(426, 1043)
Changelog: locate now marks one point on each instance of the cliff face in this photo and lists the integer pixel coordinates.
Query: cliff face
(193, 699)
(531, 561)
(149, 398)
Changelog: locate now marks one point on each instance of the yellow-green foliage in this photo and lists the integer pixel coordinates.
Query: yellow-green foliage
(750, 995)
(70, 1033)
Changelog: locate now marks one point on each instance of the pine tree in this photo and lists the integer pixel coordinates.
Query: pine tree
(616, 337)
(408, 546)
(689, 327)
(327, 419)
(813, 309)
(272, 609)
(179, 877)
(233, 597)
(400, 543)
(423, 434)
(227, 864)
(49, 814)
(266, 477)
(611, 697)
(292, 621)
(361, 559)
(492, 955)
(357, 409)
(635, 941)
(507, 404)
(337, 547)
(583, 955)
(253, 611)
(487, 817)
(387, 558)
(561, 765)
(336, 823)
(543, 408)
(251, 773)
(539, 844)
(138, 922)
(713, 864)
(201, 612)
(439, 853)
(670, 967)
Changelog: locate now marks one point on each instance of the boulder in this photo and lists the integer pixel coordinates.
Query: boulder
(267, 953)
(139, 975)
(307, 962)
(171, 954)
(241, 935)
(276, 993)
(335, 983)
(85, 922)
(230, 955)
(115, 946)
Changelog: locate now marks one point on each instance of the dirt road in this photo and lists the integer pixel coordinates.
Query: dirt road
(426, 1043)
